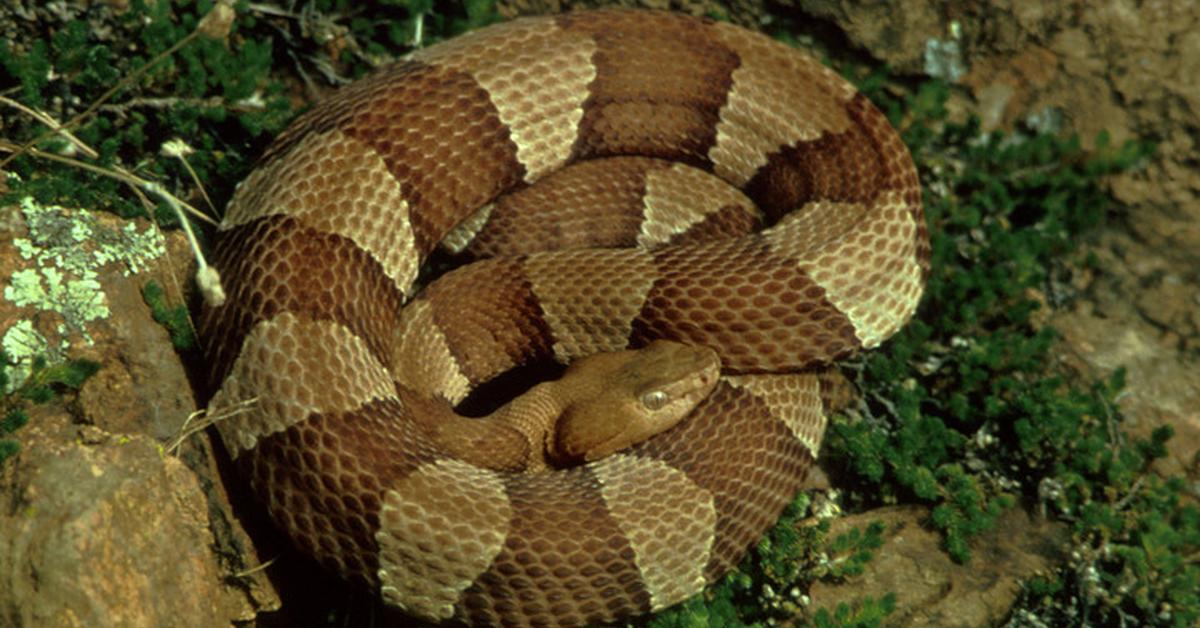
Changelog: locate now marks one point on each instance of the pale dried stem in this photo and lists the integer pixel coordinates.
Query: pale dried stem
(121, 175)
(86, 113)
(200, 420)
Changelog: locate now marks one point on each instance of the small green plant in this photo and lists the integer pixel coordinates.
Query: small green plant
(13, 420)
(174, 318)
(1136, 542)
(41, 384)
(764, 588)
(866, 613)
(852, 550)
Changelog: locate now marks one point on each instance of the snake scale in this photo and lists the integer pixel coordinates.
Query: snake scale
(766, 209)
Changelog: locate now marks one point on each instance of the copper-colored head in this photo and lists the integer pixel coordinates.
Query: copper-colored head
(624, 397)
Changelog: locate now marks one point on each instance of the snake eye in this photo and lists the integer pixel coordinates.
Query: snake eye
(655, 399)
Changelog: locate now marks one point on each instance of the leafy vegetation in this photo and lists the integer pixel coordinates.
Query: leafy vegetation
(173, 317)
(42, 383)
(214, 92)
(765, 587)
(866, 612)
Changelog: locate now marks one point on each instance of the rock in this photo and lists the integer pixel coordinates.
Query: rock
(896, 32)
(107, 524)
(1125, 67)
(931, 589)
(1145, 336)
(107, 532)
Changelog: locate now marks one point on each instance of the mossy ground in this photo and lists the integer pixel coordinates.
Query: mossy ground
(963, 411)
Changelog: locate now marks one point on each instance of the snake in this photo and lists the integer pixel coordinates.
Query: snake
(681, 222)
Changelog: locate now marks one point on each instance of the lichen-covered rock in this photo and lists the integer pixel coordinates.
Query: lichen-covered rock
(72, 286)
(104, 523)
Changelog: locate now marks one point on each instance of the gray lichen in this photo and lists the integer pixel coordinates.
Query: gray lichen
(64, 253)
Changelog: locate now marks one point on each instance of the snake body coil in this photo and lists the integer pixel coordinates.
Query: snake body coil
(670, 129)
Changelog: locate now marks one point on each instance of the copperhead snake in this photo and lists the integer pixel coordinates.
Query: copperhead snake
(774, 223)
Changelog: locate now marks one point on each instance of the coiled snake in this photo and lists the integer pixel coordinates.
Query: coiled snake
(774, 218)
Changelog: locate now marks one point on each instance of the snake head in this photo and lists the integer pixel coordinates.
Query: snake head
(625, 397)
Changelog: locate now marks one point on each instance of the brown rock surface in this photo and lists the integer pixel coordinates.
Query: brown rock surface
(1142, 315)
(893, 31)
(931, 589)
(1126, 67)
(106, 530)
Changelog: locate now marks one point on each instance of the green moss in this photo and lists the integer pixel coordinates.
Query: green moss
(214, 93)
(174, 318)
(34, 380)
(866, 613)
